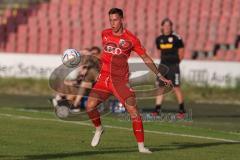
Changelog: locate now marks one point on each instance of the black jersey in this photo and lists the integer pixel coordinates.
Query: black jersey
(169, 45)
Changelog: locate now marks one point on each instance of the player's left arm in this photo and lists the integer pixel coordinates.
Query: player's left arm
(181, 54)
(180, 46)
(148, 60)
(151, 65)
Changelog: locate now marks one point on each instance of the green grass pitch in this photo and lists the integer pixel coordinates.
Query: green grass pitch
(30, 131)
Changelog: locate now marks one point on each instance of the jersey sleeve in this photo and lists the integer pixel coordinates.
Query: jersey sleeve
(137, 47)
(179, 43)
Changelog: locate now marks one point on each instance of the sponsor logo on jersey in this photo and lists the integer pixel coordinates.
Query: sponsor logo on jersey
(166, 46)
(125, 44)
(112, 48)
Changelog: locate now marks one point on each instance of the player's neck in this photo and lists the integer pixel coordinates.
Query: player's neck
(119, 32)
(167, 34)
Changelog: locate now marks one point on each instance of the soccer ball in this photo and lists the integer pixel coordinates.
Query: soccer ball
(62, 111)
(71, 58)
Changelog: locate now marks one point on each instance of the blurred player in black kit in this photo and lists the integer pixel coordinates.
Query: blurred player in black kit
(171, 49)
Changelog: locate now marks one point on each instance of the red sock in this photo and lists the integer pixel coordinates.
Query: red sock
(138, 128)
(95, 117)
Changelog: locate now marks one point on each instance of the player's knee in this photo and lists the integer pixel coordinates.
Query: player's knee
(130, 102)
(131, 106)
(133, 112)
(134, 115)
(91, 104)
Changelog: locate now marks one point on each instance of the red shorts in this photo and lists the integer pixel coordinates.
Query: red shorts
(117, 86)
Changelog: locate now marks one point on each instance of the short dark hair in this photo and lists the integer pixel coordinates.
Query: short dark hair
(166, 20)
(116, 11)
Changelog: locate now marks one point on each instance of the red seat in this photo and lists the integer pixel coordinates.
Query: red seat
(64, 10)
(22, 35)
(230, 55)
(187, 54)
(76, 38)
(11, 43)
(173, 8)
(21, 47)
(162, 10)
(220, 54)
(87, 38)
(75, 12)
(237, 58)
(43, 10)
(121, 4)
(44, 40)
(78, 23)
(33, 48)
(66, 38)
(54, 47)
(8, 13)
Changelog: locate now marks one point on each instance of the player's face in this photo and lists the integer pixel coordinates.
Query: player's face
(115, 22)
(167, 28)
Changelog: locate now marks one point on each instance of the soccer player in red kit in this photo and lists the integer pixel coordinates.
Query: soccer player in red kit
(118, 43)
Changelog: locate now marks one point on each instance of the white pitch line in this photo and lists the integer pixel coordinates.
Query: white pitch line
(122, 128)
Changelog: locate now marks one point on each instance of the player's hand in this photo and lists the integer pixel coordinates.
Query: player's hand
(165, 81)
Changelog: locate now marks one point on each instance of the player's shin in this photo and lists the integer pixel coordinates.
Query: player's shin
(138, 128)
(139, 134)
(94, 115)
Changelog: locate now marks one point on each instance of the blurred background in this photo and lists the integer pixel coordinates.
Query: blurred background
(209, 28)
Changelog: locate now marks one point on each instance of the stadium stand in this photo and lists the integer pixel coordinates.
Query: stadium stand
(209, 28)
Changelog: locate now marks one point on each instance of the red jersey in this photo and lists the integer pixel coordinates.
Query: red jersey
(116, 51)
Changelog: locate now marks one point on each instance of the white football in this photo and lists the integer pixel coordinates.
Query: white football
(71, 58)
(62, 112)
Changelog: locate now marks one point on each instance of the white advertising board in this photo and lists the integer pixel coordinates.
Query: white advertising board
(197, 72)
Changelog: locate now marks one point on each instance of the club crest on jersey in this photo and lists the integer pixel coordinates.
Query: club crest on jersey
(121, 42)
(125, 44)
(170, 39)
(112, 48)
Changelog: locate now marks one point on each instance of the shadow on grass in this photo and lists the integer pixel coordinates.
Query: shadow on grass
(179, 146)
(78, 154)
(116, 150)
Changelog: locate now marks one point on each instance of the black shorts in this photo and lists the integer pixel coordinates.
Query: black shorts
(171, 72)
